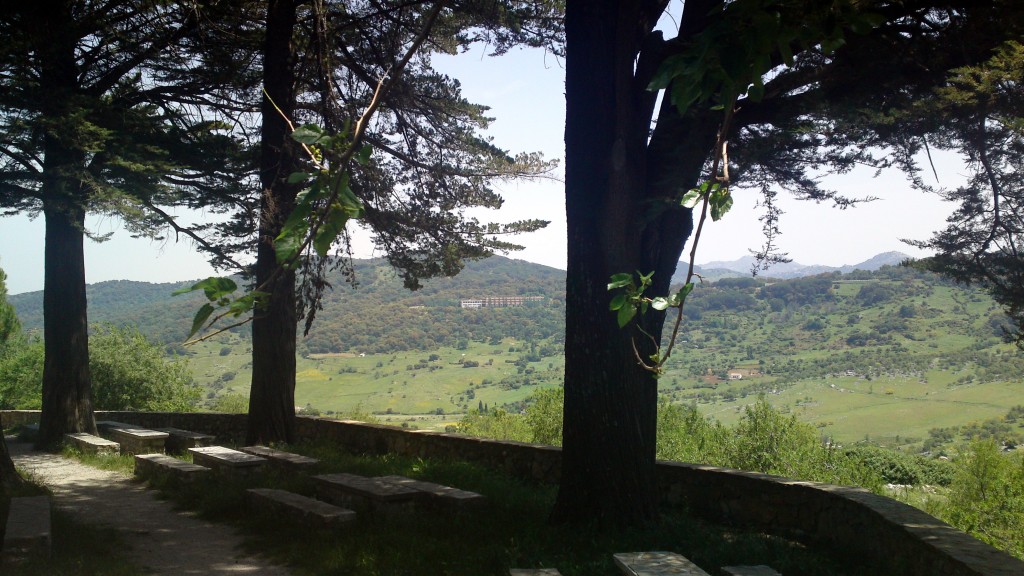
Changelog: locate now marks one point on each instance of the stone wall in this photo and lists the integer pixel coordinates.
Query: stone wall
(835, 517)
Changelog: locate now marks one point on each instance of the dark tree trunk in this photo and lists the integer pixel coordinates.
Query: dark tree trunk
(67, 388)
(618, 189)
(272, 396)
(9, 478)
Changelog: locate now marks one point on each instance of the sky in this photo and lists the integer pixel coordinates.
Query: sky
(525, 91)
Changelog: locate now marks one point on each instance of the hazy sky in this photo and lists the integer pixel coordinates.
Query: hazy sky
(526, 94)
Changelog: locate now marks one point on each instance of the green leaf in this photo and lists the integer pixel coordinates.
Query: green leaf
(691, 198)
(679, 297)
(620, 280)
(333, 224)
(298, 177)
(617, 302)
(660, 303)
(197, 323)
(215, 287)
(363, 157)
(721, 202)
(625, 314)
(308, 134)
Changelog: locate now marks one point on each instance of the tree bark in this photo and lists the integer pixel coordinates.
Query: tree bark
(619, 189)
(67, 387)
(272, 395)
(9, 478)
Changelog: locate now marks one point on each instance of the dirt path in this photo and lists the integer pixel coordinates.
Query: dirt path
(164, 540)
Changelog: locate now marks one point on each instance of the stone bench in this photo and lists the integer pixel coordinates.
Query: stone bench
(287, 460)
(179, 440)
(760, 570)
(151, 466)
(87, 443)
(227, 461)
(28, 529)
(534, 572)
(105, 426)
(656, 564)
(375, 493)
(139, 440)
(301, 509)
(438, 493)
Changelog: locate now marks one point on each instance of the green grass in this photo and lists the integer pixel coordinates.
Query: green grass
(511, 531)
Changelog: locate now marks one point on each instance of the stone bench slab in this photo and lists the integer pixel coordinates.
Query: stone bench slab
(343, 488)
(534, 572)
(300, 508)
(226, 460)
(760, 570)
(179, 440)
(282, 458)
(656, 564)
(150, 465)
(104, 426)
(138, 440)
(439, 491)
(28, 529)
(85, 442)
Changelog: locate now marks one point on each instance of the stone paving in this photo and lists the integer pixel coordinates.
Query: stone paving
(161, 539)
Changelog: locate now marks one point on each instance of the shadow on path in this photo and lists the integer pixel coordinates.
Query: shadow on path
(160, 538)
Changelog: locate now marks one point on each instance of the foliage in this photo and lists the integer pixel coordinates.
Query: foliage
(130, 373)
(232, 403)
(979, 113)
(497, 424)
(21, 374)
(896, 467)
(9, 325)
(986, 497)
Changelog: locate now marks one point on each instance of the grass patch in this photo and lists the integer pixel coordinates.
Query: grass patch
(121, 463)
(510, 532)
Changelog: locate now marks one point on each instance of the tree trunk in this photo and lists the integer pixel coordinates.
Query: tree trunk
(67, 387)
(9, 478)
(272, 395)
(620, 187)
(610, 403)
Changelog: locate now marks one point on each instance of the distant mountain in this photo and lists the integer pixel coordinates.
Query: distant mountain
(787, 270)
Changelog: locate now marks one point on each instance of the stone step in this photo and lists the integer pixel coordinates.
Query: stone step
(88, 443)
(281, 458)
(300, 508)
(150, 466)
(656, 564)
(534, 572)
(28, 529)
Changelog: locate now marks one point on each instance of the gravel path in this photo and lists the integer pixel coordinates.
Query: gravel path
(160, 538)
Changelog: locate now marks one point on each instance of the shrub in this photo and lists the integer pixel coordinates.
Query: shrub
(131, 373)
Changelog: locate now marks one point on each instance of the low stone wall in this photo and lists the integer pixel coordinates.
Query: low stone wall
(850, 521)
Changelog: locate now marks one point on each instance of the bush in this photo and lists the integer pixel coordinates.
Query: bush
(130, 373)
(21, 374)
(986, 498)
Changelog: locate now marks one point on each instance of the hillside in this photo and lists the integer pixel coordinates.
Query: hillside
(894, 355)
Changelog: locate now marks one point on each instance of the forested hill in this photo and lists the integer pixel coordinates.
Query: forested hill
(377, 314)
(840, 312)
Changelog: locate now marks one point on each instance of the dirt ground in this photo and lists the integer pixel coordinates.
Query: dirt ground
(160, 538)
